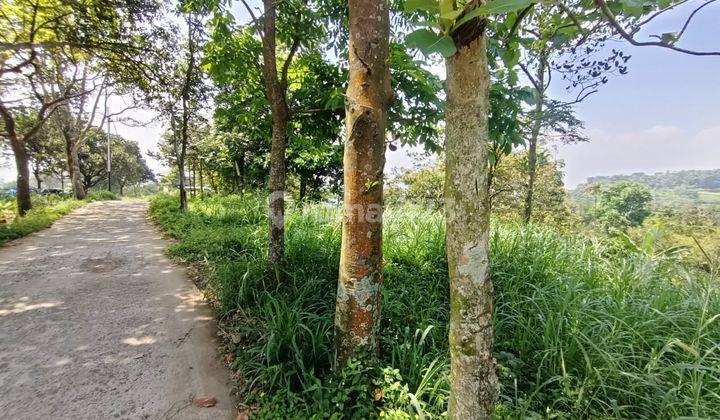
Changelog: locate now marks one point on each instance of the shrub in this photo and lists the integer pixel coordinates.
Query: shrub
(101, 195)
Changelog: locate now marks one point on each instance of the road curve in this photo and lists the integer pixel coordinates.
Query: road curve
(96, 323)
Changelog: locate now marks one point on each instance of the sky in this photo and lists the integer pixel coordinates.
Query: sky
(662, 116)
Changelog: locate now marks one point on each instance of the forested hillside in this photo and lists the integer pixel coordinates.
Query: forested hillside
(690, 179)
(681, 189)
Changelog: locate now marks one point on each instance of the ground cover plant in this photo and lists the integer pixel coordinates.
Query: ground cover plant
(47, 210)
(585, 328)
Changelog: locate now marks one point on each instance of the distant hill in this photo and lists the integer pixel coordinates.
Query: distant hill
(674, 189)
(708, 180)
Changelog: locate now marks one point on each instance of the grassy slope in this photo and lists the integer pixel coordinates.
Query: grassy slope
(42, 216)
(582, 329)
(46, 210)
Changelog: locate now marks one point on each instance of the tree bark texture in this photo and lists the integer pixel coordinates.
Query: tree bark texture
(474, 386)
(279, 111)
(357, 316)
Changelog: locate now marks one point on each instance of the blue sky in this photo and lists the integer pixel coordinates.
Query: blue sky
(663, 115)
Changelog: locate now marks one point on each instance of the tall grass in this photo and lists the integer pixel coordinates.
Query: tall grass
(583, 328)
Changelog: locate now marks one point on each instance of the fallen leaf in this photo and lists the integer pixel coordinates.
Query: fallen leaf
(205, 402)
(243, 415)
(229, 358)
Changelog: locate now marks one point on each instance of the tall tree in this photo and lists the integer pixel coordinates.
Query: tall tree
(178, 88)
(297, 27)
(548, 41)
(357, 316)
(462, 41)
(30, 31)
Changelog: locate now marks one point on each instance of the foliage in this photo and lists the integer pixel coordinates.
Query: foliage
(128, 165)
(315, 103)
(424, 185)
(102, 195)
(623, 205)
(585, 329)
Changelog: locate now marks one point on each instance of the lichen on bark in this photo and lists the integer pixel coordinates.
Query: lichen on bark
(474, 386)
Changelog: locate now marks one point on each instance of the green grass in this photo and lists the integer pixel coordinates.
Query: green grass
(45, 211)
(584, 328)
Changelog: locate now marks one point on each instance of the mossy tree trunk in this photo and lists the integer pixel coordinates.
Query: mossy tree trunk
(357, 316)
(474, 386)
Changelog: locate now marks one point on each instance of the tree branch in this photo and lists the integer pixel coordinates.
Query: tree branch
(610, 17)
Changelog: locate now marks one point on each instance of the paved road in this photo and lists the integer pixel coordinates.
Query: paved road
(96, 323)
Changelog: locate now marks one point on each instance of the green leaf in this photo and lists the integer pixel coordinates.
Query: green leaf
(427, 24)
(429, 42)
(446, 46)
(426, 5)
(512, 77)
(669, 38)
(451, 15)
(446, 6)
(494, 7)
(511, 56)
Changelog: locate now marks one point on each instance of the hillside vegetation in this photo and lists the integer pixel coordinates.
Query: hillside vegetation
(670, 189)
(585, 327)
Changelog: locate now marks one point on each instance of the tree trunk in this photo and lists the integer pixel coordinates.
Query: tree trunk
(36, 173)
(72, 148)
(532, 144)
(211, 178)
(241, 172)
(24, 204)
(279, 111)
(474, 386)
(357, 314)
(202, 186)
(76, 181)
(303, 189)
(181, 182)
(192, 181)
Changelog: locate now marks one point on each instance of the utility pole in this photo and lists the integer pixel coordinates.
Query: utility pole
(109, 156)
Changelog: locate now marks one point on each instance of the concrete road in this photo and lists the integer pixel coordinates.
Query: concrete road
(96, 323)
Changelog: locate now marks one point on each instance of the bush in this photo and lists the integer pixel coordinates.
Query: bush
(101, 195)
(583, 329)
